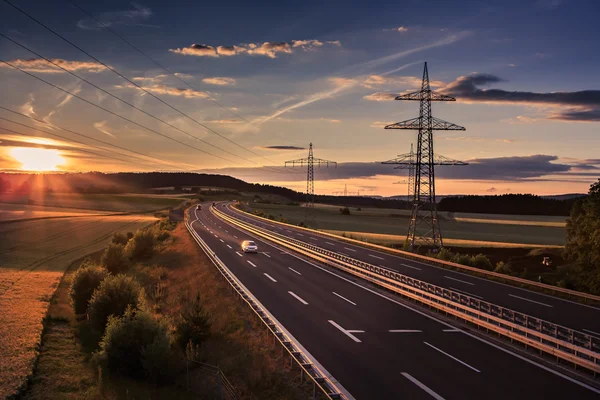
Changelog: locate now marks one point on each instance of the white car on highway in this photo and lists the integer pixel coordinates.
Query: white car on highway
(248, 246)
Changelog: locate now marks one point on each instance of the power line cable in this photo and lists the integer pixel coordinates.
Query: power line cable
(166, 70)
(126, 79)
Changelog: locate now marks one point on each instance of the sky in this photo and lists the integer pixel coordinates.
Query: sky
(239, 88)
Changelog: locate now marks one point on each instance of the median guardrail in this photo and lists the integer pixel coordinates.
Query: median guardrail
(308, 366)
(585, 298)
(559, 341)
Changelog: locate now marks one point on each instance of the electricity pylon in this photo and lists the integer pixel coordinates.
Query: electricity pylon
(424, 226)
(310, 162)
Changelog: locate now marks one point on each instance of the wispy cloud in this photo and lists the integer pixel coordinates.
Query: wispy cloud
(380, 96)
(133, 16)
(267, 49)
(282, 147)
(221, 81)
(168, 90)
(151, 79)
(39, 65)
(101, 126)
(381, 124)
(402, 29)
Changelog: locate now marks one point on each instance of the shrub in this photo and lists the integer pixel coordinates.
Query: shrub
(445, 255)
(114, 259)
(162, 236)
(503, 268)
(193, 325)
(482, 262)
(463, 259)
(141, 245)
(112, 297)
(345, 211)
(137, 345)
(120, 238)
(129, 235)
(85, 280)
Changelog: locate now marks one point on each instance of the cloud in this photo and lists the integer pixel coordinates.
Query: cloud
(224, 121)
(152, 79)
(372, 81)
(222, 81)
(281, 147)
(125, 17)
(267, 49)
(39, 65)
(27, 108)
(516, 168)
(380, 96)
(492, 190)
(168, 90)
(101, 126)
(401, 29)
(580, 106)
(183, 76)
(381, 124)
(512, 65)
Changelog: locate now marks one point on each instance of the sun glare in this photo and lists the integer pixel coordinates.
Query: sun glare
(37, 159)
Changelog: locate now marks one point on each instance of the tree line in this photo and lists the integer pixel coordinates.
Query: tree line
(517, 204)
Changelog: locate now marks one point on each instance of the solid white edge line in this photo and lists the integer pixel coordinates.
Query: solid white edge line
(458, 280)
(300, 299)
(251, 263)
(294, 270)
(345, 332)
(465, 292)
(532, 301)
(452, 357)
(270, 277)
(422, 386)
(410, 266)
(342, 297)
(404, 331)
(319, 366)
(482, 340)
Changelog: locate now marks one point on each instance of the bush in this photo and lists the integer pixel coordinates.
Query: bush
(193, 325)
(503, 268)
(120, 238)
(141, 245)
(482, 262)
(463, 259)
(345, 211)
(445, 255)
(112, 297)
(137, 345)
(114, 259)
(85, 280)
(129, 235)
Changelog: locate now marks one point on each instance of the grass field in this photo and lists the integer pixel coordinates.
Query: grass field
(33, 257)
(99, 202)
(14, 212)
(463, 227)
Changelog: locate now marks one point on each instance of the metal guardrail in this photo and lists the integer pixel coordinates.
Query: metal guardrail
(543, 287)
(211, 375)
(307, 366)
(562, 342)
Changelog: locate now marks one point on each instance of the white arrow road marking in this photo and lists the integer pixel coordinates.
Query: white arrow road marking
(347, 332)
(422, 386)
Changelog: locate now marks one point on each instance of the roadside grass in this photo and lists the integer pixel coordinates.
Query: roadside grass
(238, 342)
(34, 256)
(103, 202)
(534, 231)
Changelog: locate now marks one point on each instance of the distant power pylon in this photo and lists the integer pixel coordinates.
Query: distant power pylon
(424, 226)
(310, 162)
(408, 161)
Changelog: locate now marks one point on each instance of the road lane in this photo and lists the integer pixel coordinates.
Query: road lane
(361, 370)
(560, 311)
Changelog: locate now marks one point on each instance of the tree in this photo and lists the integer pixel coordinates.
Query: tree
(85, 281)
(114, 259)
(112, 297)
(583, 239)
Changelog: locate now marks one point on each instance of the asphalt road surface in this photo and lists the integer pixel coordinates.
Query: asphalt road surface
(564, 312)
(376, 347)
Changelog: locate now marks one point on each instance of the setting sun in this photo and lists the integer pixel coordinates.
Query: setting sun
(37, 159)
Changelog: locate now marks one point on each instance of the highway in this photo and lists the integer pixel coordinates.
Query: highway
(375, 346)
(564, 312)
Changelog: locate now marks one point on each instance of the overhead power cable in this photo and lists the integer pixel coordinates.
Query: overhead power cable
(125, 78)
(90, 138)
(108, 28)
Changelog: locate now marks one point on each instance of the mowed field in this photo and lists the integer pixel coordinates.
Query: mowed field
(97, 202)
(464, 229)
(34, 253)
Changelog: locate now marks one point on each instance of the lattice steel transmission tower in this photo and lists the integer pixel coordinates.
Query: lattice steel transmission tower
(310, 162)
(423, 226)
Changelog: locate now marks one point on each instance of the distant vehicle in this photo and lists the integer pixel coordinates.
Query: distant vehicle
(248, 246)
(223, 205)
(214, 204)
(198, 207)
